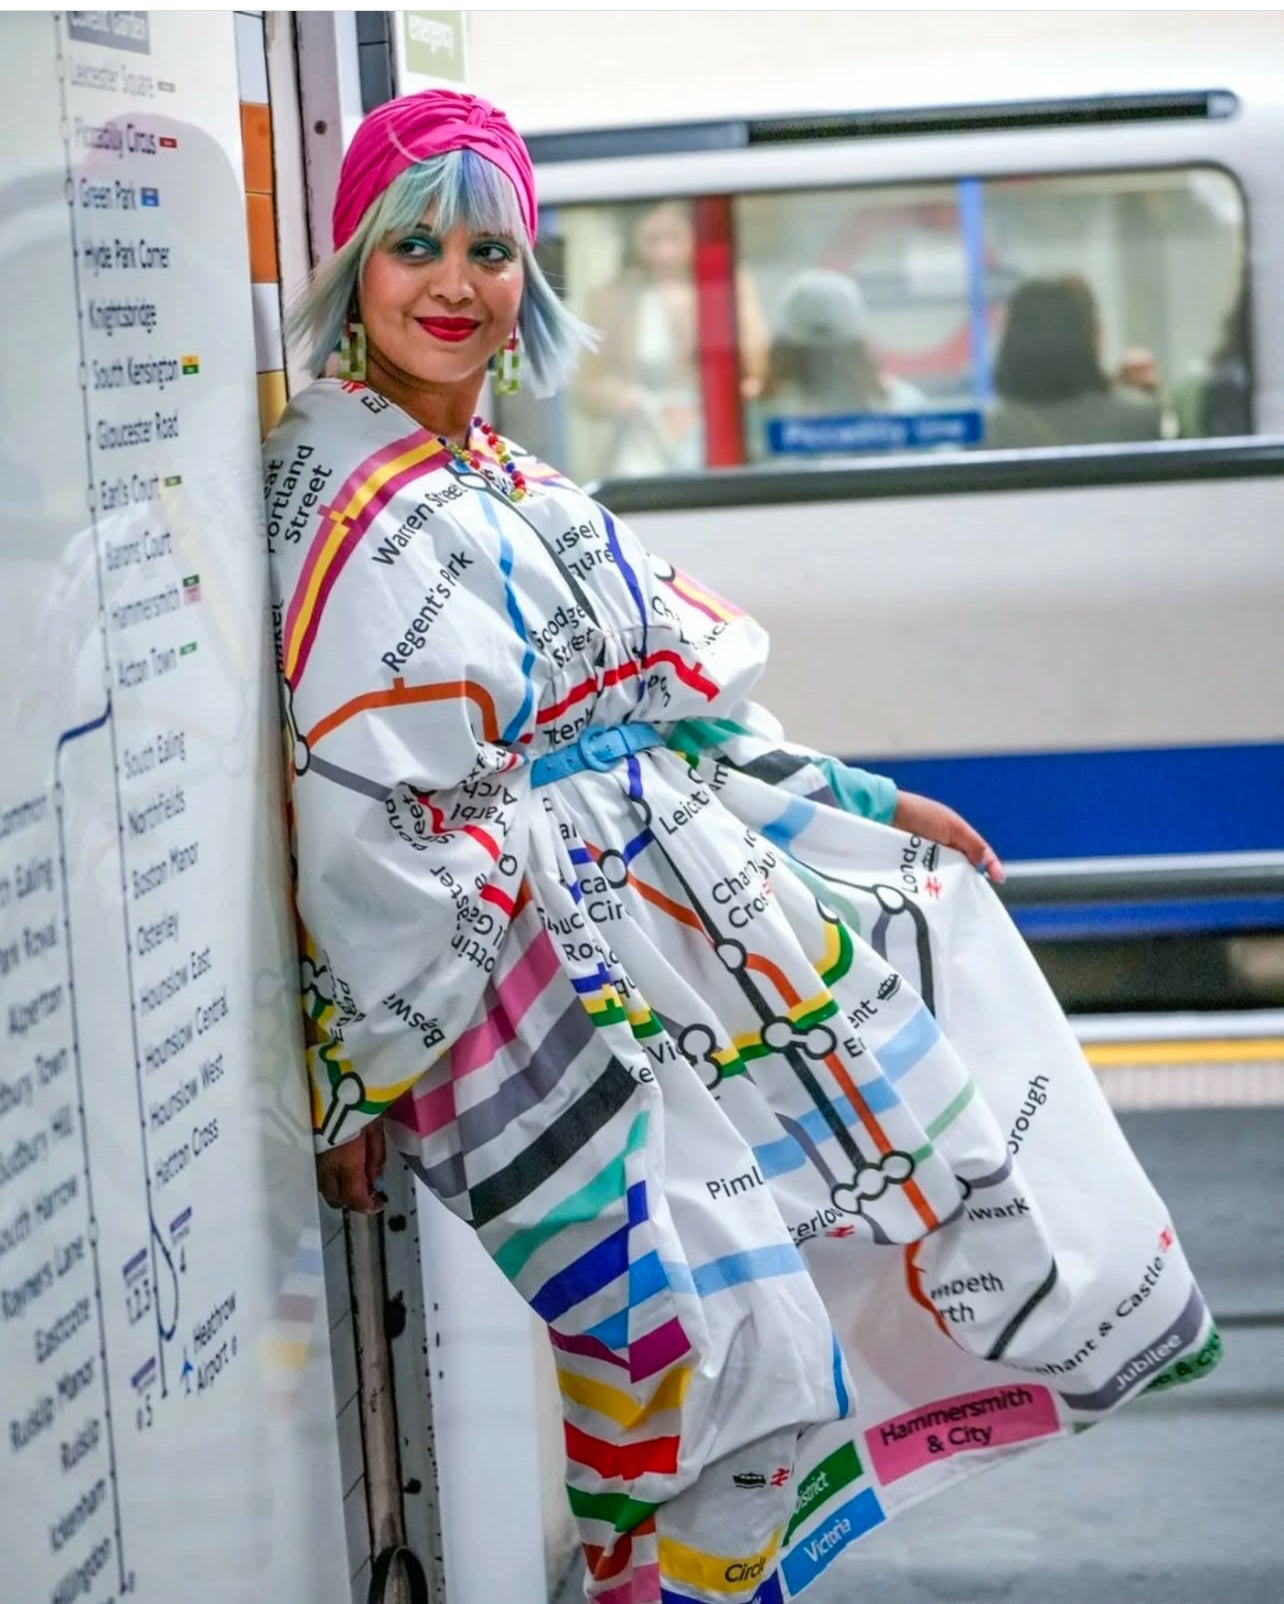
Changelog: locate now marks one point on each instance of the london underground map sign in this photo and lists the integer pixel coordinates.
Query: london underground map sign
(166, 1408)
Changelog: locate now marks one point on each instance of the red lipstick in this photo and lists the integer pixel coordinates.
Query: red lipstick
(450, 329)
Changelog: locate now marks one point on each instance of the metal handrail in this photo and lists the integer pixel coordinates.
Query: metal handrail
(1158, 879)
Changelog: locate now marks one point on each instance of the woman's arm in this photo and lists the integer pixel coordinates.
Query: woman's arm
(752, 742)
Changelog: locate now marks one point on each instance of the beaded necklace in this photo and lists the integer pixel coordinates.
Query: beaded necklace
(512, 483)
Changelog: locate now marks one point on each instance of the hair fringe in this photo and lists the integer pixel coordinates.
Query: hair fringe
(457, 187)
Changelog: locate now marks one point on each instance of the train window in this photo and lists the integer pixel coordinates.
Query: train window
(997, 313)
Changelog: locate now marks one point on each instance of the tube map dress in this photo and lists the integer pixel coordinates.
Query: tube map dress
(761, 1104)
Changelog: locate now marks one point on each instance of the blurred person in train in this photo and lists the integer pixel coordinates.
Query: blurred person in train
(1052, 389)
(642, 379)
(579, 923)
(1213, 396)
(820, 362)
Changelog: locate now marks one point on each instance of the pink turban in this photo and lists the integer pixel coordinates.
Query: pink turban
(413, 128)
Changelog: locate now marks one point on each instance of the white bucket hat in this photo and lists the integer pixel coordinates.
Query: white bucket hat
(819, 307)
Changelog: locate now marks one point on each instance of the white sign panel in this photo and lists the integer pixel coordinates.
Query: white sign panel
(166, 1413)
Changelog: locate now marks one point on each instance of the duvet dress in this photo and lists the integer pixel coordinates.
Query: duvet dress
(761, 1104)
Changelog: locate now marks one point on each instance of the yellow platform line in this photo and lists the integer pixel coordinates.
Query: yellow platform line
(1248, 1050)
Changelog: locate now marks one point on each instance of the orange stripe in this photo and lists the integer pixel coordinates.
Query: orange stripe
(779, 980)
(400, 694)
(912, 1286)
(834, 1064)
(603, 1563)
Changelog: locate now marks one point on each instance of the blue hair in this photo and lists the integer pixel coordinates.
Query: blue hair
(457, 187)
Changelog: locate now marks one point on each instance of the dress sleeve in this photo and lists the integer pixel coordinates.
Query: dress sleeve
(752, 742)
(745, 736)
(410, 837)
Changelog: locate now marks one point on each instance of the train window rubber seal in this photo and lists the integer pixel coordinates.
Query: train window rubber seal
(945, 474)
(690, 138)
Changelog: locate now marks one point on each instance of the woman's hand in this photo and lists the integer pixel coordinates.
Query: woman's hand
(919, 815)
(348, 1175)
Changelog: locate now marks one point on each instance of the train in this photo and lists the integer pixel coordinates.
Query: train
(1075, 641)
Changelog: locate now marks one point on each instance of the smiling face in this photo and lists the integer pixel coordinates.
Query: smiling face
(436, 308)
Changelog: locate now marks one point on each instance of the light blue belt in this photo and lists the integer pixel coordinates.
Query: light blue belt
(599, 747)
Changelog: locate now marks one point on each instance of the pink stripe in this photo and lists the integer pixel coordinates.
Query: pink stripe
(1012, 1413)
(642, 1588)
(426, 1112)
(657, 1350)
(515, 993)
(363, 470)
(590, 1347)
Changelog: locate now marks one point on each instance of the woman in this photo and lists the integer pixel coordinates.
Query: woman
(643, 379)
(583, 939)
(1051, 386)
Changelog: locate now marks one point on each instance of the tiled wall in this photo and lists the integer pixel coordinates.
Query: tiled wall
(256, 141)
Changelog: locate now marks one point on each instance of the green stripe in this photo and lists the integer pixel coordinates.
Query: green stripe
(1199, 1364)
(616, 1509)
(823, 891)
(843, 962)
(817, 1016)
(692, 736)
(650, 1026)
(612, 1014)
(949, 1115)
(829, 1477)
(586, 1204)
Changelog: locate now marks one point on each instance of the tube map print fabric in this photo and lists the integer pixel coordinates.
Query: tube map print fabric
(762, 1105)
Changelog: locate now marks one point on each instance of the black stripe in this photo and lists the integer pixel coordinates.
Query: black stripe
(569, 1132)
(952, 473)
(1023, 1313)
(772, 767)
(688, 138)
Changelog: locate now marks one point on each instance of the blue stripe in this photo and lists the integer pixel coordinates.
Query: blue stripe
(516, 723)
(768, 1593)
(309, 1261)
(804, 1562)
(778, 1158)
(1109, 804)
(593, 982)
(587, 1275)
(913, 1041)
(613, 1332)
(646, 1278)
(754, 1264)
(797, 816)
(840, 1386)
(1120, 921)
(972, 228)
(635, 590)
(580, 855)
(638, 843)
(636, 1198)
(679, 1278)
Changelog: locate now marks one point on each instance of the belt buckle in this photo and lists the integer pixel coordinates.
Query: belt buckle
(601, 748)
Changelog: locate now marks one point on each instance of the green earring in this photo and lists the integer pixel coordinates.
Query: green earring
(352, 351)
(508, 374)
